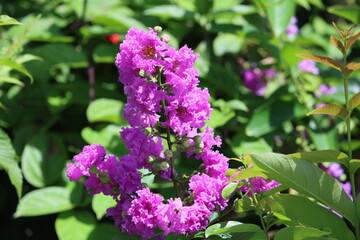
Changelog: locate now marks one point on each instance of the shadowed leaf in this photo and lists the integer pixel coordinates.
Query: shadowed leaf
(337, 43)
(321, 59)
(354, 165)
(354, 101)
(332, 109)
(322, 156)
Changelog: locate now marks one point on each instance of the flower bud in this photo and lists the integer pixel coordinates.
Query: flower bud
(197, 139)
(158, 29)
(142, 73)
(185, 143)
(151, 159)
(168, 153)
(165, 38)
(199, 150)
(164, 165)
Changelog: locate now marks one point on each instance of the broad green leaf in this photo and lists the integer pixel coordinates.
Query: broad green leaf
(100, 203)
(324, 139)
(43, 159)
(241, 144)
(249, 172)
(104, 110)
(11, 80)
(337, 43)
(322, 156)
(351, 13)
(354, 165)
(16, 66)
(109, 231)
(9, 162)
(228, 190)
(168, 11)
(321, 59)
(307, 213)
(332, 109)
(279, 13)
(74, 225)
(269, 116)
(299, 232)
(6, 20)
(231, 227)
(354, 101)
(44, 201)
(227, 43)
(108, 137)
(219, 118)
(304, 4)
(307, 179)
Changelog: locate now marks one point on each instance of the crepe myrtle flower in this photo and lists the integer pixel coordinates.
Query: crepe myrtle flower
(255, 79)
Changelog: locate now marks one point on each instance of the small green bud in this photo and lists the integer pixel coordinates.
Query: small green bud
(168, 153)
(185, 143)
(164, 165)
(199, 150)
(142, 73)
(158, 29)
(200, 145)
(151, 159)
(197, 139)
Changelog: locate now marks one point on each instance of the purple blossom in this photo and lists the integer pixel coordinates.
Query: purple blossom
(255, 79)
(259, 184)
(325, 89)
(292, 29)
(334, 169)
(308, 66)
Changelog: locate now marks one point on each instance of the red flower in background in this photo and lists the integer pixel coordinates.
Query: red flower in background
(114, 38)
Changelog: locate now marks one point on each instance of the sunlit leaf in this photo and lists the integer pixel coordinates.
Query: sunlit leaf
(249, 172)
(322, 156)
(228, 190)
(16, 66)
(231, 227)
(11, 80)
(351, 13)
(6, 20)
(244, 204)
(280, 13)
(321, 59)
(104, 110)
(100, 203)
(354, 165)
(352, 41)
(307, 179)
(44, 201)
(331, 109)
(351, 67)
(337, 43)
(299, 232)
(354, 101)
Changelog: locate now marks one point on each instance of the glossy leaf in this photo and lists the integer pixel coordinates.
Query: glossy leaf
(74, 225)
(249, 172)
(321, 59)
(279, 14)
(6, 20)
(230, 227)
(332, 109)
(311, 214)
(100, 203)
(322, 156)
(354, 165)
(44, 201)
(299, 232)
(354, 101)
(337, 43)
(16, 66)
(351, 13)
(104, 110)
(307, 179)
(9, 162)
(244, 204)
(228, 190)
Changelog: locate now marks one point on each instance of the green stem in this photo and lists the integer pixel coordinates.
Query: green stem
(258, 209)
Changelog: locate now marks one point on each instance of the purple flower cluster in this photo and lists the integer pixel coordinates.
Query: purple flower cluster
(292, 29)
(308, 66)
(163, 100)
(256, 79)
(258, 184)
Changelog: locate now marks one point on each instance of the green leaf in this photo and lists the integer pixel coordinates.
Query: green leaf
(44, 201)
(104, 110)
(244, 204)
(74, 225)
(100, 203)
(354, 165)
(9, 161)
(241, 144)
(16, 66)
(352, 40)
(321, 59)
(337, 43)
(311, 214)
(279, 13)
(324, 139)
(322, 156)
(11, 80)
(332, 109)
(354, 101)
(351, 13)
(231, 227)
(307, 179)
(227, 43)
(6, 20)
(249, 172)
(269, 116)
(228, 190)
(351, 67)
(168, 11)
(299, 232)
(108, 231)
(219, 118)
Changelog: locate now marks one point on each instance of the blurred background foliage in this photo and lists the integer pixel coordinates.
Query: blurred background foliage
(59, 92)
